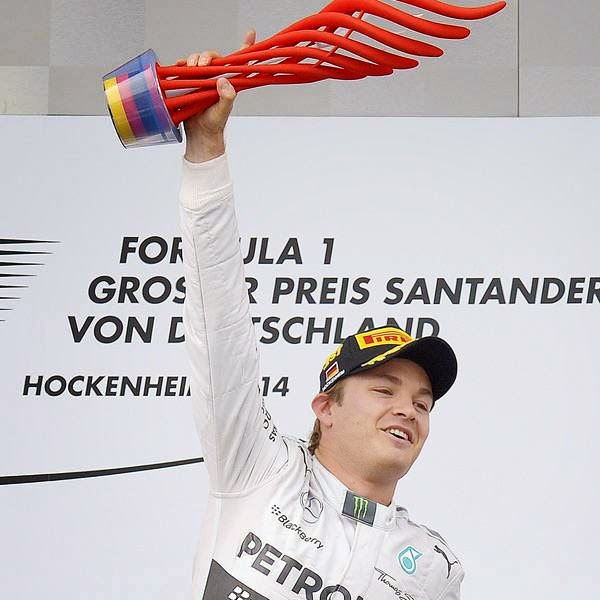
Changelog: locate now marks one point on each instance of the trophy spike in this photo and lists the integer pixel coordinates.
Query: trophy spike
(148, 102)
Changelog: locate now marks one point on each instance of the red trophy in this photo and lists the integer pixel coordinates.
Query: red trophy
(148, 102)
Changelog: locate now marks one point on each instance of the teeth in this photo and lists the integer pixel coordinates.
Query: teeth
(398, 433)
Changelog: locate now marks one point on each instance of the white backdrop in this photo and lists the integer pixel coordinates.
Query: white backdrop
(508, 474)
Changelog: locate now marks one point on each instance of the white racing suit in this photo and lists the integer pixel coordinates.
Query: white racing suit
(278, 525)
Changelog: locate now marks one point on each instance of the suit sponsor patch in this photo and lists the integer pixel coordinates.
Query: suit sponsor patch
(287, 571)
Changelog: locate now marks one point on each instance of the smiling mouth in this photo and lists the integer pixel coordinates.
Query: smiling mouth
(399, 437)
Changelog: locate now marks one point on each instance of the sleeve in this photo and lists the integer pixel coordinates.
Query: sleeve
(241, 446)
(452, 589)
(447, 573)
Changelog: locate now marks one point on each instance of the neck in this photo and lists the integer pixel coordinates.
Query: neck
(374, 486)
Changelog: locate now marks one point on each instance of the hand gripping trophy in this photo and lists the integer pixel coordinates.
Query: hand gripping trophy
(148, 102)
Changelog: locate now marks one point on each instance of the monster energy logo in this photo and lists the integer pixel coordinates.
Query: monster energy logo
(359, 508)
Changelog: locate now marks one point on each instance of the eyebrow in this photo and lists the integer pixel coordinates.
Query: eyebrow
(398, 381)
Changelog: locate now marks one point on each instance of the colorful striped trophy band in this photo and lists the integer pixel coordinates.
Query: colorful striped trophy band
(148, 102)
(136, 104)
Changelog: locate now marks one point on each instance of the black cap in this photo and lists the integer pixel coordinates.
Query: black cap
(374, 347)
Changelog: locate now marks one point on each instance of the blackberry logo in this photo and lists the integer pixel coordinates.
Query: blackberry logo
(239, 594)
(285, 521)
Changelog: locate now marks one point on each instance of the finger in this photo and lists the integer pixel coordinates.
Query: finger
(249, 39)
(207, 56)
(192, 59)
(181, 61)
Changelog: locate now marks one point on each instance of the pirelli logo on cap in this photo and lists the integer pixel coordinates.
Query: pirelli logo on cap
(382, 337)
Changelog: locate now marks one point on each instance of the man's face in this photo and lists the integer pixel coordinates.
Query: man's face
(383, 420)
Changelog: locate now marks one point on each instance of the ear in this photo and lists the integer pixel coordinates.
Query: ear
(321, 405)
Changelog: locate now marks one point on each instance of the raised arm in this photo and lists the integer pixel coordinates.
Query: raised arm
(240, 443)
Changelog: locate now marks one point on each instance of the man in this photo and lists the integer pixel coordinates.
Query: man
(286, 520)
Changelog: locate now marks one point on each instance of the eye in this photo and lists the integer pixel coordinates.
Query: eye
(383, 390)
(422, 406)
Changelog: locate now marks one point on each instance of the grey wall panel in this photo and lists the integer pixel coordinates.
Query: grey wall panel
(88, 39)
(177, 29)
(24, 90)
(560, 91)
(270, 17)
(24, 32)
(556, 33)
(451, 92)
(559, 58)
(88, 32)
(76, 91)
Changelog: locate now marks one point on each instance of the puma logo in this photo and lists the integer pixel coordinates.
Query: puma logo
(440, 551)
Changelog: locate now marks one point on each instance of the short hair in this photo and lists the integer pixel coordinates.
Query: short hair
(335, 394)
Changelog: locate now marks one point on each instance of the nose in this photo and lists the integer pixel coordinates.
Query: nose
(403, 406)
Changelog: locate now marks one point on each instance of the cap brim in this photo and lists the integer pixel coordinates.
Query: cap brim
(435, 356)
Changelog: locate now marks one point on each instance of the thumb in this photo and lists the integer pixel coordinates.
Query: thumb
(227, 94)
(219, 112)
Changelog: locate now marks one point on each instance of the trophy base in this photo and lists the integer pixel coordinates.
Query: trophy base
(136, 104)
